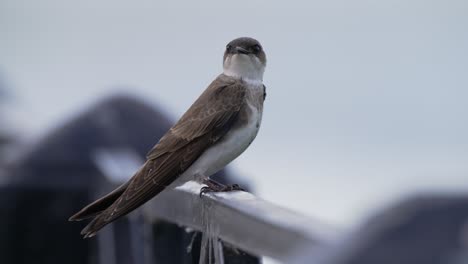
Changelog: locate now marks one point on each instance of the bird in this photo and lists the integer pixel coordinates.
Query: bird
(218, 127)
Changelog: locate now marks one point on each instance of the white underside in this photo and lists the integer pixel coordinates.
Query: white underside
(250, 70)
(232, 145)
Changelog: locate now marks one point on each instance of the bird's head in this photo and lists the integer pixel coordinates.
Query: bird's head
(244, 58)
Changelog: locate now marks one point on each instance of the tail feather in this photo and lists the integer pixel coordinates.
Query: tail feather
(95, 225)
(91, 229)
(100, 205)
(117, 209)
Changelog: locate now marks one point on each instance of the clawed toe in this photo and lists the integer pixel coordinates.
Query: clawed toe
(227, 188)
(205, 189)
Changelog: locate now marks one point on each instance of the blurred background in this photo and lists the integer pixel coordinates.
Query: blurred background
(367, 100)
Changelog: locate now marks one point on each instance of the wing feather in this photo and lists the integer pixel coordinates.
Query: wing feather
(206, 121)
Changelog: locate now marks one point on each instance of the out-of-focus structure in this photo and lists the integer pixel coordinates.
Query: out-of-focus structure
(94, 152)
(6, 136)
(70, 167)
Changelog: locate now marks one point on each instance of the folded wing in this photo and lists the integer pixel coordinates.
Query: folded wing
(206, 121)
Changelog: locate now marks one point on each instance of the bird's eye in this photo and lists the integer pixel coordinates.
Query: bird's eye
(257, 48)
(228, 47)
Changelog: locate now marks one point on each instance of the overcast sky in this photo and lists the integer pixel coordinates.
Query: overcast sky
(367, 100)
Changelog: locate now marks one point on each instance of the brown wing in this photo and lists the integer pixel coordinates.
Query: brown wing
(206, 121)
(214, 109)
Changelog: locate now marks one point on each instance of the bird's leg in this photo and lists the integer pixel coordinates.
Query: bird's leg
(214, 186)
(211, 186)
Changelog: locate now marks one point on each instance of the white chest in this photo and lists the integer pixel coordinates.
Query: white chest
(235, 141)
(238, 140)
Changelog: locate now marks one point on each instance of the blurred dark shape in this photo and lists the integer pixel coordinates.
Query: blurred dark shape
(6, 138)
(117, 123)
(60, 175)
(422, 230)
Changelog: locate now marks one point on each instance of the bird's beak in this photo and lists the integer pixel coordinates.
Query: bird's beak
(242, 50)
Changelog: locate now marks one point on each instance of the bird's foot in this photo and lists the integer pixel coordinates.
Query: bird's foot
(214, 186)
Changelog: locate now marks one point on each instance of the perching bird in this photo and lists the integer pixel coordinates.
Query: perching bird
(215, 130)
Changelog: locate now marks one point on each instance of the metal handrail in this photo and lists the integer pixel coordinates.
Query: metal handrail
(242, 220)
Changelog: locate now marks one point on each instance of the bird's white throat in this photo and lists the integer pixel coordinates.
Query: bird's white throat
(248, 68)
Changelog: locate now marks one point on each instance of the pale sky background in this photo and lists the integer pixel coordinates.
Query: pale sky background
(367, 100)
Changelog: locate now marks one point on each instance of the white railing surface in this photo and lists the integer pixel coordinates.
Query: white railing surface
(242, 220)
